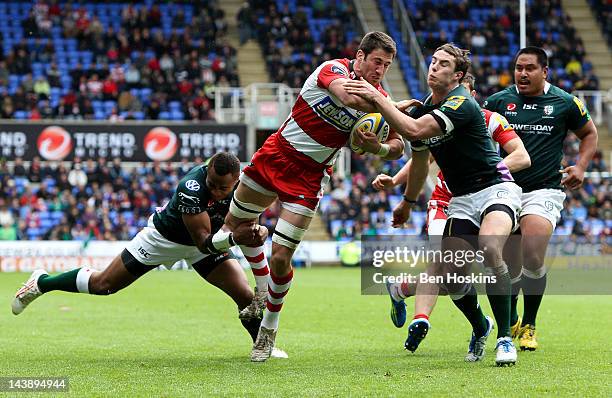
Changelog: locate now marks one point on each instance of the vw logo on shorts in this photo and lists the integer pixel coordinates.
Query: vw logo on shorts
(502, 194)
(192, 185)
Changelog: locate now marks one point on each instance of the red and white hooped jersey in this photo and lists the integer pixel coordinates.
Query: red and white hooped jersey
(319, 124)
(501, 132)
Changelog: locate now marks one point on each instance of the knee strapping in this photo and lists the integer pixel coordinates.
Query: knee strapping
(534, 274)
(287, 234)
(501, 269)
(241, 209)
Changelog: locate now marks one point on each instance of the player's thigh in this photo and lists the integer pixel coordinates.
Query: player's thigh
(499, 206)
(148, 249)
(122, 272)
(247, 205)
(536, 232)
(288, 233)
(513, 253)
(460, 237)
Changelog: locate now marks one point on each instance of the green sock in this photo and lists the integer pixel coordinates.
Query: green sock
(65, 282)
(468, 304)
(516, 289)
(499, 298)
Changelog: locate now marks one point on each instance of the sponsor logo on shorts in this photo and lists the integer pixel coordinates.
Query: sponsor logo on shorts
(549, 205)
(143, 252)
(501, 194)
(192, 185)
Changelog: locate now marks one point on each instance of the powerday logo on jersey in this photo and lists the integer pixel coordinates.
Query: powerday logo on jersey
(334, 114)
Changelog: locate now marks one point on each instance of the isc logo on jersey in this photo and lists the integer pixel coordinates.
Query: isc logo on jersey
(370, 123)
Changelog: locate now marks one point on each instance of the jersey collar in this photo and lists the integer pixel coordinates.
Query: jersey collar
(546, 88)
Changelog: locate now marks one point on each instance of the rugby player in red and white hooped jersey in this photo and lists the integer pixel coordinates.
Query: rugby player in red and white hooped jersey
(295, 163)
(426, 294)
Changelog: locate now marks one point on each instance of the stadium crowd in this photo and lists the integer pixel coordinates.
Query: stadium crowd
(352, 208)
(295, 43)
(140, 61)
(113, 61)
(84, 200)
(162, 61)
(491, 32)
(603, 13)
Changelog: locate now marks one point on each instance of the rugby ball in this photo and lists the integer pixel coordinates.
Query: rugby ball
(372, 123)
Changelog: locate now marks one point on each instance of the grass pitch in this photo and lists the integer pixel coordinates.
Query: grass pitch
(171, 334)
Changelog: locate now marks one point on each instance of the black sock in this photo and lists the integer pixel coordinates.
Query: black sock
(533, 291)
(516, 289)
(252, 326)
(499, 298)
(468, 304)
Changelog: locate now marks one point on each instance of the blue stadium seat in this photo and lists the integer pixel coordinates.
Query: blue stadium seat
(57, 215)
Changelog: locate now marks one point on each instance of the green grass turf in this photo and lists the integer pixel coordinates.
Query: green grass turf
(171, 334)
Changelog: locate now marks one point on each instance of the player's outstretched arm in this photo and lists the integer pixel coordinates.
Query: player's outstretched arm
(518, 158)
(409, 128)
(199, 228)
(383, 181)
(417, 174)
(352, 101)
(396, 146)
(588, 146)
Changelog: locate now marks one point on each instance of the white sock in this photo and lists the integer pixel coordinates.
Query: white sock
(259, 265)
(82, 279)
(277, 290)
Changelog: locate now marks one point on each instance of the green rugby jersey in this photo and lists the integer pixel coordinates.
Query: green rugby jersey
(542, 123)
(465, 152)
(191, 197)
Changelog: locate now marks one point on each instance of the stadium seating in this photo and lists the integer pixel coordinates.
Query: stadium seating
(587, 213)
(603, 11)
(497, 42)
(314, 31)
(77, 45)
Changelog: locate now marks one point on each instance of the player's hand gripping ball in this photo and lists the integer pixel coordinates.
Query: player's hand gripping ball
(373, 123)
